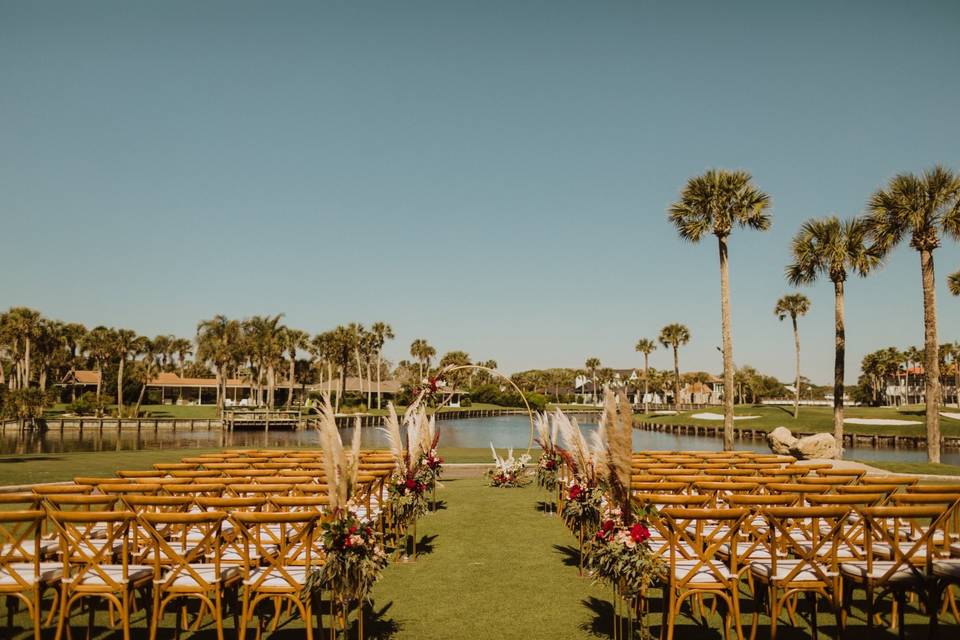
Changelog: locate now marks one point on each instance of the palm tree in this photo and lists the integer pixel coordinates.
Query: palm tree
(381, 332)
(591, 365)
(646, 347)
(925, 207)
(152, 350)
(794, 305)
(715, 203)
(125, 343)
(421, 351)
(953, 283)
(182, 348)
(218, 342)
(291, 340)
(341, 345)
(21, 327)
(98, 344)
(831, 247)
(673, 336)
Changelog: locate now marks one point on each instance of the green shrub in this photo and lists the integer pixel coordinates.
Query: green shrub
(85, 405)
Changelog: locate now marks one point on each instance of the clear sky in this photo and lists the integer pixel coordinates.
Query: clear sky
(491, 176)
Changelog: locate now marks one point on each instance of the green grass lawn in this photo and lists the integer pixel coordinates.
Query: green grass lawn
(491, 565)
(816, 419)
(915, 467)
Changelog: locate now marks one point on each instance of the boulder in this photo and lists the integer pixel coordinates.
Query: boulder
(819, 445)
(781, 441)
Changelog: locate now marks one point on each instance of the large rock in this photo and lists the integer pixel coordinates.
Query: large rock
(819, 445)
(781, 441)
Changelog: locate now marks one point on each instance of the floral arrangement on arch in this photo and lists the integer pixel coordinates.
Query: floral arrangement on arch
(548, 467)
(355, 554)
(417, 465)
(508, 472)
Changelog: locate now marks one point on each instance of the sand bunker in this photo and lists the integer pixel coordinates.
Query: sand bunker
(878, 421)
(952, 416)
(717, 416)
(665, 413)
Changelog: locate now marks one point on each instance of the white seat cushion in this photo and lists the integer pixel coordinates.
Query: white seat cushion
(207, 573)
(955, 549)
(49, 572)
(947, 569)
(784, 567)
(745, 551)
(703, 573)
(858, 570)
(277, 579)
(46, 547)
(114, 572)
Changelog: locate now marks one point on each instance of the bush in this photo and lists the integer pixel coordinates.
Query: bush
(85, 405)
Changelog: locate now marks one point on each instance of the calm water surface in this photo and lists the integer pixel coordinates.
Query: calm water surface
(502, 431)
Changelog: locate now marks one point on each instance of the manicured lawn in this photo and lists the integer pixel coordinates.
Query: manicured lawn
(915, 467)
(817, 419)
(491, 565)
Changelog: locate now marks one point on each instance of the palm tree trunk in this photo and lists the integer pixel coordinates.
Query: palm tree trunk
(290, 381)
(840, 344)
(646, 381)
(379, 388)
(931, 356)
(369, 386)
(343, 384)
(956, 379)
(26, 363)
(120, 389)
(727, 347)
(143, 390)
(796, 385)
(271, 385)
(676, 377)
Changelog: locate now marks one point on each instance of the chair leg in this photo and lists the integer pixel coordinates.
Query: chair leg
(812, 603)
(900, 599)
(868, 588)
(218, 613)
(774, 611)
(125, 615)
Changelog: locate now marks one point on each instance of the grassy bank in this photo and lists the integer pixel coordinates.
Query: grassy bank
(816, 419)
(916, 467)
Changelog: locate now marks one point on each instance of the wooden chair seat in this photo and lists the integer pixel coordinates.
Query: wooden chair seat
(857, 572)
(15, 573)
(764, 572)
(136, 574)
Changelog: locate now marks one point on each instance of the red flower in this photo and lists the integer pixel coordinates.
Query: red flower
(432, 384)
(353, 530)
(639, 533)
(411, 484)
(607, 526)
(575, 492)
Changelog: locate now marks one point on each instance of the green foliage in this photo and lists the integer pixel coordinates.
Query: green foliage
(354, 562)
(25, 404)
(85, 405)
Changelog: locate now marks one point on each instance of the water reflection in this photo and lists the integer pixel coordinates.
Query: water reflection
(502, 431)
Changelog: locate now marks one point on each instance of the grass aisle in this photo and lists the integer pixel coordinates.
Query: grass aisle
(492, 565)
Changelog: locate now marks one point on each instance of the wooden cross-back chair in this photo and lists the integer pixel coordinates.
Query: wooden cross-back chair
(23, 577)
(278, 551)
(89, 568)
(186, 559)
(896, 571)
(704, 531)
(801, 557)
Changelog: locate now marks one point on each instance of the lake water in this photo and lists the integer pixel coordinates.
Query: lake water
(503, 431)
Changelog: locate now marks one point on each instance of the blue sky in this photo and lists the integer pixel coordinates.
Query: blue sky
(491, 176)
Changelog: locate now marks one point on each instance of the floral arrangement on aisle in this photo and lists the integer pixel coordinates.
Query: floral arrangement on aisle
(355, 555)
(510, 472)
(584, 497)
(548, 467)
(619, 551)
(416, 463)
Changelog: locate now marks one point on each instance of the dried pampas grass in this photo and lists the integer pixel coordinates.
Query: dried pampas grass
(340, 469)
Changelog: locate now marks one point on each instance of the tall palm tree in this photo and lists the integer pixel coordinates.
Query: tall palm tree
(421, 351)
(794, 305)
(646, 346)
(925, 207)
(591, 365)
(153, 352)
(381, 332)
(715, 203)
(126, 343)
(182, 348)
(22, 325)
(953, 283)
(832, 247)
(673, 336)
(218, 342)
(98, 343)
(292, 340)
